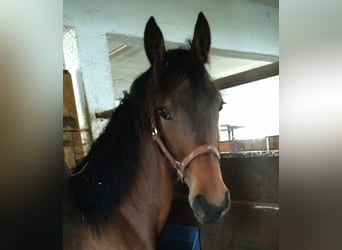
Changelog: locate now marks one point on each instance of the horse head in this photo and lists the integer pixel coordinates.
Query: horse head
(185, 107)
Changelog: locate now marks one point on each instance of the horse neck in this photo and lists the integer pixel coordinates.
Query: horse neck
(147, 208)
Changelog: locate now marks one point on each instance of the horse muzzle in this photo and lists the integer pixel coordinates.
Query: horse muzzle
(210, 213)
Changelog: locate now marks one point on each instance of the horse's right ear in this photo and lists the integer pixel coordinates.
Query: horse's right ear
(154, 42)
(200, 45)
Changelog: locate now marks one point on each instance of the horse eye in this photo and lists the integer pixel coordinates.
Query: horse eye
(163, 112)
(221, 105)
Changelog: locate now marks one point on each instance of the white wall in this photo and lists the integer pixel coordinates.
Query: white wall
(238, 25)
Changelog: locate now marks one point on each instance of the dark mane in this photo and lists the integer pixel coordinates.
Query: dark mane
(113, 160)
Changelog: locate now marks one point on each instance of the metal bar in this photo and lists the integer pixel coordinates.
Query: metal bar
(257, 205)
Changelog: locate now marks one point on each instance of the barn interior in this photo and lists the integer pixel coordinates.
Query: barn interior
(103, 53)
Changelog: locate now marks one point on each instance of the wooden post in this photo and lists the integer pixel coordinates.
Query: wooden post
(72, 143)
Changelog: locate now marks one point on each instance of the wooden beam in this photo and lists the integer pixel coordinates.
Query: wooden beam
(107, 114)
(248, 76)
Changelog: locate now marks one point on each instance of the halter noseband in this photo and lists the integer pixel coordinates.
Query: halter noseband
(181, 166)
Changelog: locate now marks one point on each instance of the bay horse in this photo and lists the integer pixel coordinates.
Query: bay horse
(120, 195)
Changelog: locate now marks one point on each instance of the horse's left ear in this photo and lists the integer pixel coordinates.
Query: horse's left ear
(200, 44)
(154, 42)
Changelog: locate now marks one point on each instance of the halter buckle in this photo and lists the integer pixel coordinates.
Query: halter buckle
(154, 129)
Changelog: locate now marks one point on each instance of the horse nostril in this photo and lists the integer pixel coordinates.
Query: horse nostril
(201, 201)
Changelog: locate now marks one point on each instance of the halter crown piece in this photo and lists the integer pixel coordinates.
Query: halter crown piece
(181, 166)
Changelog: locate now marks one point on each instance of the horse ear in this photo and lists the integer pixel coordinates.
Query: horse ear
(201, 41)
(154, 42)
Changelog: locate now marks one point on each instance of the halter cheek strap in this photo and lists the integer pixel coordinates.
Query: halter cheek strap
(181, 166)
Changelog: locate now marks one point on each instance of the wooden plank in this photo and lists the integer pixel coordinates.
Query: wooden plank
(252, 179)
(73, 150)
(252, 222)
(273, 142)
(242, 228)
(248, 76)
(250, 144)
(107, 114)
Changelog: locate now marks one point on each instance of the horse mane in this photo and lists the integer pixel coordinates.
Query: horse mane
(104, 177)
(106, 174)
